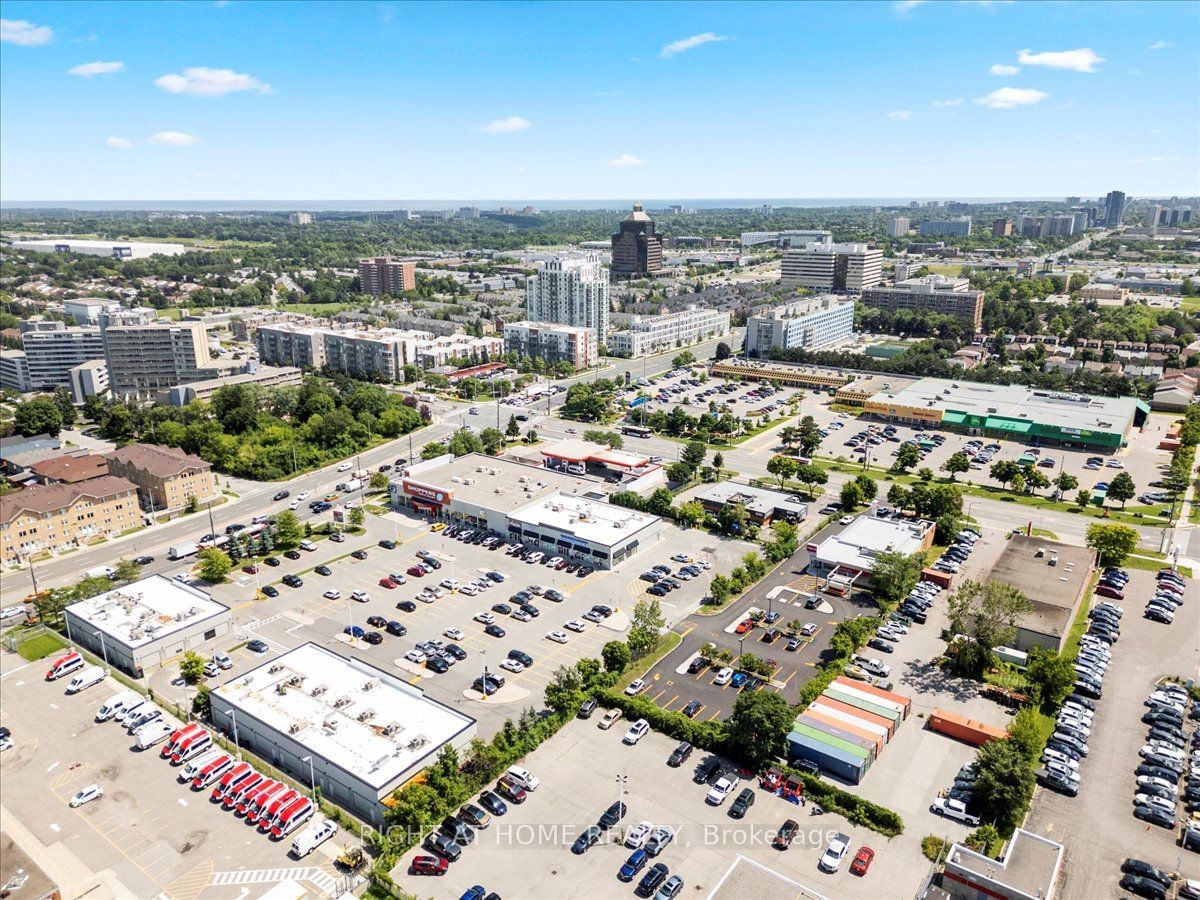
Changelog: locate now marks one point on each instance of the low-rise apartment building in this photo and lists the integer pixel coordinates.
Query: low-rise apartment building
(166, 477)
(60, 517)
(553, 343)
(808, 324)
(937, 293)
(653, 334)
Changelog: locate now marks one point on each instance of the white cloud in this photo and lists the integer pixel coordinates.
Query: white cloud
(900, 115)
(1160, 45)
(1002, 69)
(1085, 59)
(87, 70)
(903, 6)
(506, 126)
(117, 143)
(696, 40)
(1011, 97)
(26, 34)
(201, 81)
(957, 101)
(172, 139)
(625, 161)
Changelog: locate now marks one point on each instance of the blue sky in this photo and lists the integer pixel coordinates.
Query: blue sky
(378, 100)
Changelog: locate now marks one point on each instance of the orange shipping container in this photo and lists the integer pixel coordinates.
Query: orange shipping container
(905, 703)
(861, 713)
(964, 729)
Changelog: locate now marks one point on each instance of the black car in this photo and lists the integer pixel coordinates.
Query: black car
(915, 613)
(707, 771)
(456, 651)
(486, 687)
(282, 495)
(614, 814)
(395, 628)
(696, 665)
(444, 846)
(437, 664)
(522, 657)
(741, 803)
(492, 803)
(1155, 771)
(292, 554)
(271, 561)
(692, 708)
(654, 876)
(494, 630)
(502, 608)
(1143, 887)
(387, 544)
(377, 621)
(530, 609)
(881, 645)
(373, 637)
(1057, 782)
(143, 560)
(584, 572)
(359, 554)
(293, 581)
(657, 590)
(257, 646)
(323, 570)
(679, 755)
(1154, 816)
(587, 839)
(406, 606)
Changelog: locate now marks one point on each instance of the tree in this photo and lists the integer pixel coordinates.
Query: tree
(982, 838)
(433, 450)
(758, 728)
(907, 457)
(1122, 488)
(287, 529)
(868, 487)
(416, 809)
(720, 589)
(718, 461)
(1023, 730)
(1004, 782)
(810, 436)
(690, 514)
(899, 496)
(1004, 471)
(513, 430)
(810, 474)
(686, 358)
(645, 631)
(191, 667)
(616, 656)
(465, 442)
(202, 702)
(357, 517)
(1050, 677)
(894, 575)
(732, 518)
(1066, 482)
(851, 496)
(565, 689)
(958, 462)
(214, 565)
(693, 454)
(782, 467)
(493, 440)
(40, 415)
(531, 436)
(1112, 542)
(988, 614)
(723, 351)
(378, 482)
(1083, 498)
(62, 399)
(127, 570)
(784, 543)
(680, 473)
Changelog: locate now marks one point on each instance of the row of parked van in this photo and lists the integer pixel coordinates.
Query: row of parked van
(83, 675)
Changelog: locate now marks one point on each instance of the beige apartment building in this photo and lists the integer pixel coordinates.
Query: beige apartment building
(145, 360)
(165, 476)
(59, 517)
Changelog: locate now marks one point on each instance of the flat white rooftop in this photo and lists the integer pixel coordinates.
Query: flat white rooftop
(859, 542)
(361, 719)
(139, 249)
(600, 524)
(146, 610)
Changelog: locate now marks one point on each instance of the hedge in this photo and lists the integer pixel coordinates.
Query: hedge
(853, 807)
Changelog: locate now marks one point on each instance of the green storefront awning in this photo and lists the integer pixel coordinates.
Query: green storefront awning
(1010, 425)
(954, 418)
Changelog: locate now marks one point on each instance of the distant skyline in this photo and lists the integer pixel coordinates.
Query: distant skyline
(276, 102)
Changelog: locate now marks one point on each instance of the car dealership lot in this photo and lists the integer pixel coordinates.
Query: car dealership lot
(527, 852)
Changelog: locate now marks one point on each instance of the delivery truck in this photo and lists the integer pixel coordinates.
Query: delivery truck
(181, 551)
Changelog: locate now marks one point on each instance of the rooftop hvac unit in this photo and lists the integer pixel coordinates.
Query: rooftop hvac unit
(417, 743)
(329, 725)
(366, 715)
(296, 680)
(456, 479)
(392, 728)
(468, 481)
(370, 684)
(281, 688)
(135, 634)
(277, 667)
(479, 468)
(319, 690)
(342, 701)
(294, 728)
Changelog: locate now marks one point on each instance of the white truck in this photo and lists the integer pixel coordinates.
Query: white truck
(349, 487)
(953, 809)
(101, 572)
(181, 551)
(155, 732)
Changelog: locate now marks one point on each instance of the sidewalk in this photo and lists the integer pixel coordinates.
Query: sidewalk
(63, 867)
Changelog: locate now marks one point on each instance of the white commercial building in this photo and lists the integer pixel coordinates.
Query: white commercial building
(300, 218)
(808, 324)
(115, 249)
(14, 371)
(832, 267)
(570, 290)
(852, 551)
(89, 379)
(588, 531)
(338, 723)
(793, 237)
(90, 310)
(147, 622)
(51, 355)
(652, 334)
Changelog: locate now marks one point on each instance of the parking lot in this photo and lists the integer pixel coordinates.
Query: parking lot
(1146, 652)
(527, 852)
(149, 834)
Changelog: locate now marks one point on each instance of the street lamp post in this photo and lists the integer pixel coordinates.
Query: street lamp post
(232, 713)
(621, 781)
(103, 649)
(312, 779)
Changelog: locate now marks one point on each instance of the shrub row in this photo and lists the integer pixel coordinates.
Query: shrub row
(711, 735)
(857, 810)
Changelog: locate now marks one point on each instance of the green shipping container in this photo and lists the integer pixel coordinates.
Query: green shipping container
(855, 700)
(845, 746)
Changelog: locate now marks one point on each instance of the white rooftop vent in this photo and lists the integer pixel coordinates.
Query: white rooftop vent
(319, 690)
(366, 715)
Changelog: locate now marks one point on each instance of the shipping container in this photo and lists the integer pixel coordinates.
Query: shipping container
(831, 703)
(904, 703)
(964, 729)
(850, 766)
(869, 742)
(855, 721)
(862, 701)
(855, 688)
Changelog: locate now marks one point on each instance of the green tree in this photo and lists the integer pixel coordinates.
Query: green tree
(956, 464)
(1112, 542)
(868, 487)
(191, 667)
(416, 809)
(982, 838)
(287, 529)
(686, 358)
(62, 399)
(1122, 488)
(493, 440)
(758, 728)
(357, 517)
(465, 442)
(1024, 731)
(810, 436)
(899, 496)
(1050, 677)
(723, 351)
(1083, 498)
(214, 565)
(720, 590)
(988, 613)
(690, 514)
(732, 518)
(378, 482)
(907, 457)
(851, 496)
(40, 415)
(616, 656)
(565, 689)
(718, 461)
(894, 575)
(1035, 480)
(531, 436)
(693, 454)
(127, 570)
(513, 429)
(784, 543)
(1004, 783)
(680, 473)
(810, 474)
(1066, 482)
(433, 450)
(1004, 471)
(202, 702)
(645, 630)
(783, 468)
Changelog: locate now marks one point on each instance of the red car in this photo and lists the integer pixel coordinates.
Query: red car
(1112, 593)
(387, 583)
(744, 626)
(250, 570)
(415, 571)
(428, 865)
(862, 860)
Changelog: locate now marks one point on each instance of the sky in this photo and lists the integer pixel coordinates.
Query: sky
(477, 102)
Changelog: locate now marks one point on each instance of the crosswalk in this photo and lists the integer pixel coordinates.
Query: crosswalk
(319, 878)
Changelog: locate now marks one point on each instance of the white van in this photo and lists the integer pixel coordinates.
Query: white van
(524, 778)
(125, 715)
(85, 679)
(146, 714)
(154, 733)
(115, 704)
(313, 837)
(189, 769)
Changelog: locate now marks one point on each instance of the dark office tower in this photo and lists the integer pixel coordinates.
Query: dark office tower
(636, 249)
(1114, 208)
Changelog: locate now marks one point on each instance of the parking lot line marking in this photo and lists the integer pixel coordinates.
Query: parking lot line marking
(716, 712)
(654, 699)
(786, 680)
(667, 705)
(53, 766)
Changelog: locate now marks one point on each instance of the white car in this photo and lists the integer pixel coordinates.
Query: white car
(485, 618)
(468, 590)
(351, 504)
(454, 634)
(845, 520)
(303, 495)
(636, 732)
(87, 795)
(723, 677)
(559, 637)
(681, 558)
(520, 615)
(554, 560)
(637, 834)
(575, 625)
(360, 596)
(809, 629)
(704, 563)
(831, 859)
(1151, 780)
(635, 687)
(512, 665)
(295, 504)
(332, 594)
(874, 666)
(426, 597)
(345, 467)
(415, 656)
(725, 786)
(450, 584)
(607, 720)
